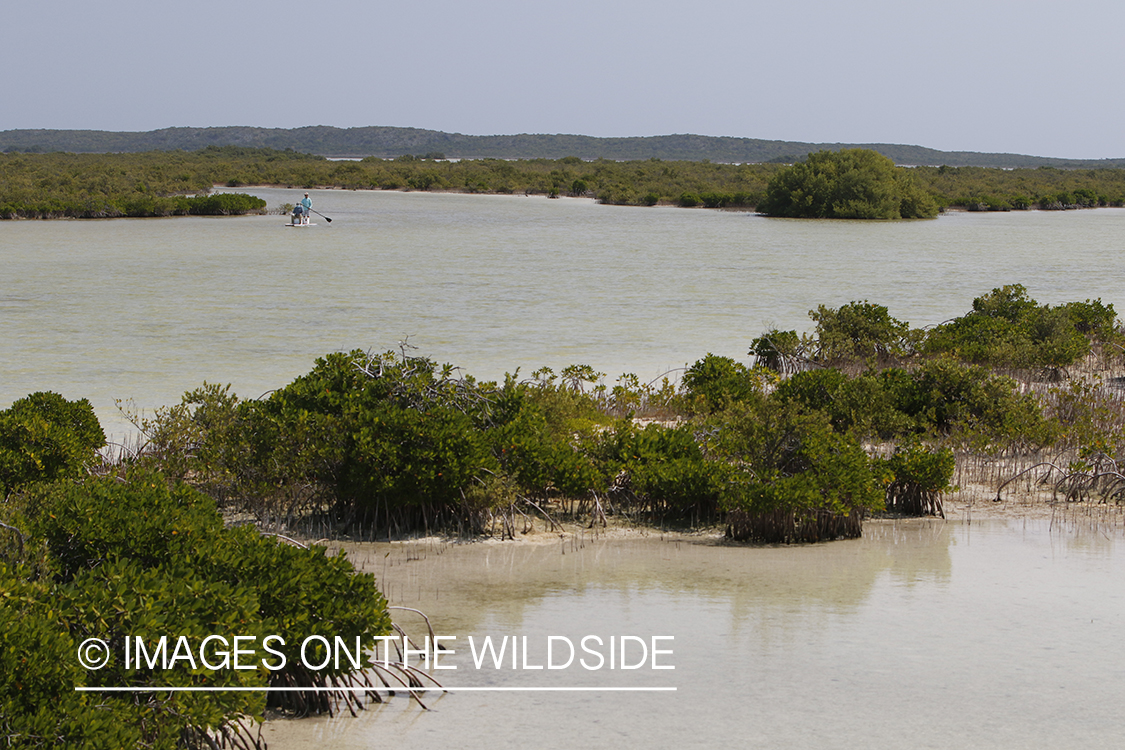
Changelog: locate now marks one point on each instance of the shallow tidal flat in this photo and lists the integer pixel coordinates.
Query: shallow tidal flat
(991, 632)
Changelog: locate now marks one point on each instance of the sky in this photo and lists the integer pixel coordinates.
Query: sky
(1024, 77)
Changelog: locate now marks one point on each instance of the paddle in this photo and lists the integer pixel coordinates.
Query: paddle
(318, 213)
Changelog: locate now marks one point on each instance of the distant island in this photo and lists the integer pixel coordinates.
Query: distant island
(390, 142)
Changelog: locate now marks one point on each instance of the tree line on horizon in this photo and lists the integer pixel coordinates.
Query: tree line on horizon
(389, 142)
(157, 183)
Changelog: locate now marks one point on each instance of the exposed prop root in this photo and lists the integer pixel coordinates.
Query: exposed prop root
(1098, 478)
(788, 527)
(318, 694)
(234, 734)
(907, 498)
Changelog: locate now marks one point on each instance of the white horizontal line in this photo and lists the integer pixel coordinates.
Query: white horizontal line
(180, 689)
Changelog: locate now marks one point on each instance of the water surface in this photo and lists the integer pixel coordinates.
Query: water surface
(924, 633)
(920, 634)
(147, 309)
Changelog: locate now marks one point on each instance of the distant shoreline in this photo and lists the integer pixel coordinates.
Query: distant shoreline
(659, 204)
(58, 185)
(390, 142)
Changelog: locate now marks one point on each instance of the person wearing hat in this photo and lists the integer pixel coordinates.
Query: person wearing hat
(306, 207)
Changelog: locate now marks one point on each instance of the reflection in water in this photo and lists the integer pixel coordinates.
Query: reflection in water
(499, 582)
(922, 633)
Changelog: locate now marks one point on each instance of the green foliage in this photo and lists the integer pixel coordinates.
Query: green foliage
(1010, 303)
(817, 390)
(663, 468)
(87, 525)
(794, 478)
(375, 433)
(860, 330)
(991, 189)
(777, 350)
(866, 405)
(834, 476)
(39, 707)
(384, 440)
(713, 381)
(196, 436)
(1094, 319)
(915, 466)
(983, 409)
(1087, 416)
(404, 456)
(222, 204)
(44, 437)
(848, 184)
(122, 598)
(140, 557)
(300, 592)
(919, 477)
(151, 184)
(564, 402)
(540, 460)
(154, 183)
(156, 527)
(939, 399)
(398, 442)
(1007, 328)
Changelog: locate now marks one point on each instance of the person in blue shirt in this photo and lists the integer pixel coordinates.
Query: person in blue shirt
(306, 206)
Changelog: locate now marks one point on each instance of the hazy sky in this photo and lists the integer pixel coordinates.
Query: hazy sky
(987, 75)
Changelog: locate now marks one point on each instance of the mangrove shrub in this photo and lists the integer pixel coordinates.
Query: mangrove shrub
(44, 437)
(847, 184)
(135, 556)
(860, 330)
(792, 477)
(920, 477)
(1007, 328)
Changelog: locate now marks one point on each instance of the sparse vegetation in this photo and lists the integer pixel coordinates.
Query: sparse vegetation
(845, 184)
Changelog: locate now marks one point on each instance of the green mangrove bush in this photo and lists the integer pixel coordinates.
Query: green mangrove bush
(1007, 328)
(134, 556)
(793, 479)
(44, 437)
(846, 184)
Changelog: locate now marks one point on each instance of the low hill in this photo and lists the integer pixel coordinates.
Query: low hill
(392, 142)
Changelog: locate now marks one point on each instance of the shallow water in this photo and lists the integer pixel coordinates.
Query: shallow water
(924, 633)
(147, 309)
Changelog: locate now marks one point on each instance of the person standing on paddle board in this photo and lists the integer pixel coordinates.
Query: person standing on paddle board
(306, 206)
